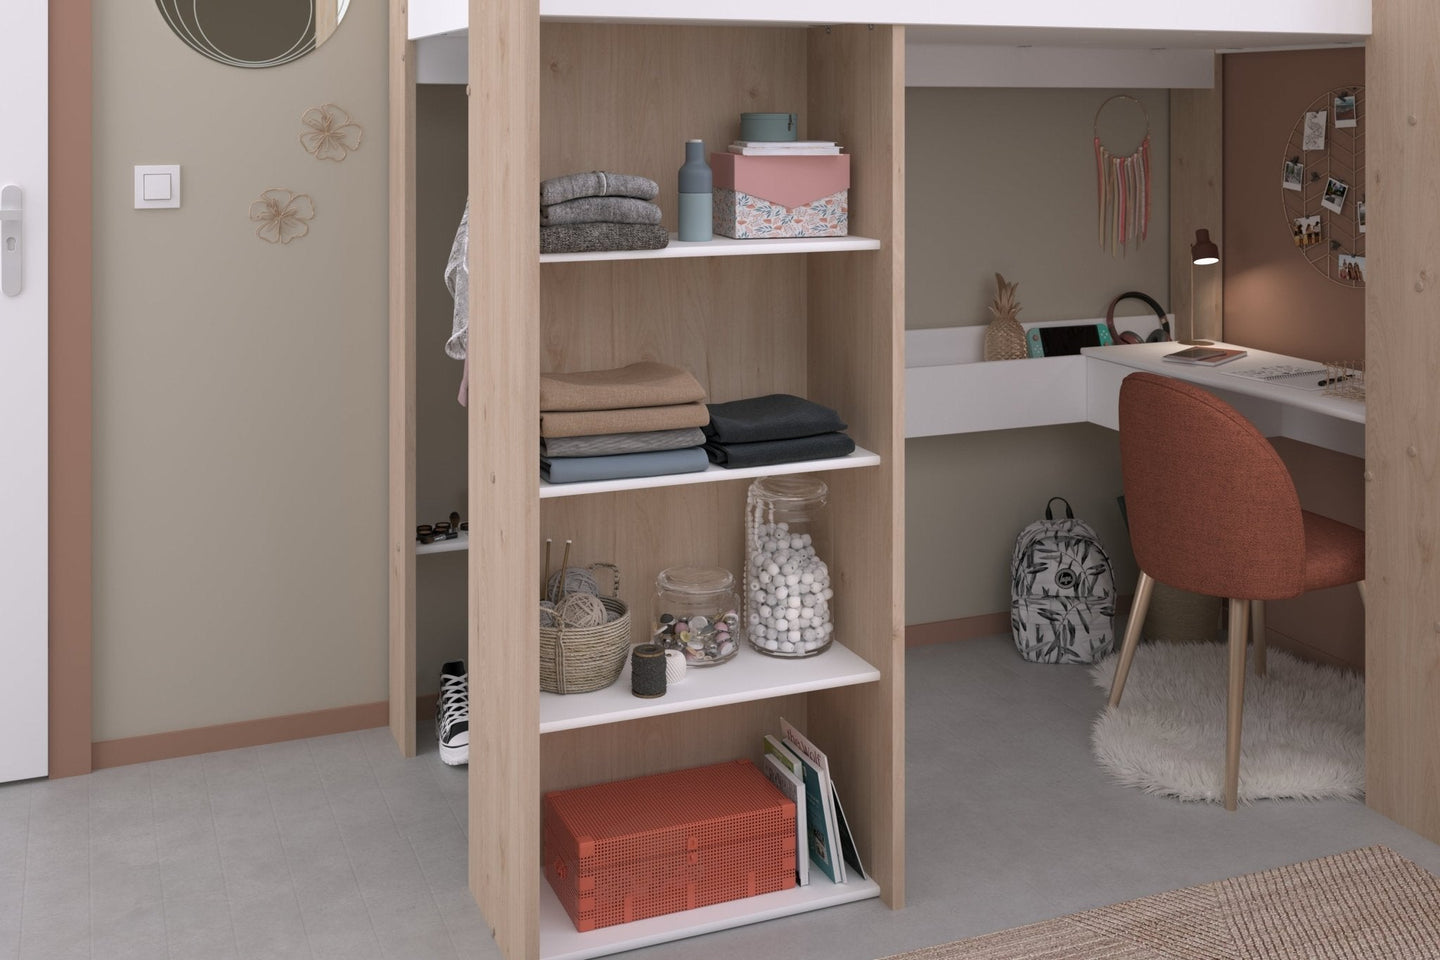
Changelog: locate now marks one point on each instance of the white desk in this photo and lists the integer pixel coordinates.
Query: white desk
(1307, 415)
(949, 389)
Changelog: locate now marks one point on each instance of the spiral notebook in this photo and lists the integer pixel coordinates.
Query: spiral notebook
(1302, 376)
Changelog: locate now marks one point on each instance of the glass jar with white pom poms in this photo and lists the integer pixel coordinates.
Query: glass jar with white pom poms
(788, 597)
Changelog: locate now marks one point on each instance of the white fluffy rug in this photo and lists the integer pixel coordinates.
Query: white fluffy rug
(1302, 736)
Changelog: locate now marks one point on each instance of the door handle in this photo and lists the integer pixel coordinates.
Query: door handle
(12, 248)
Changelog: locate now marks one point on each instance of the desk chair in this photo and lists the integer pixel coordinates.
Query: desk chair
(1213, 510)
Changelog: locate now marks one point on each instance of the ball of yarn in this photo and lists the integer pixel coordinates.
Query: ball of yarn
(581, 610)
(547, 614)
(577, 580)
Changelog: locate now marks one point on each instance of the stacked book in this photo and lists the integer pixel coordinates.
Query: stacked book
(785, 148)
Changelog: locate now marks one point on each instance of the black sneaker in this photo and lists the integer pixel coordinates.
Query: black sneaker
(452, 714)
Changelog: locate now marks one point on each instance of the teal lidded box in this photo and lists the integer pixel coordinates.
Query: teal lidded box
(771, 127)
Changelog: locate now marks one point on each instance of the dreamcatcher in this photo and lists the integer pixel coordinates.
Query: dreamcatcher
(1122, 186)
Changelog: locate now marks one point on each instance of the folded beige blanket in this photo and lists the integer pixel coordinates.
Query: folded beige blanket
(589, 423)
(644, 384)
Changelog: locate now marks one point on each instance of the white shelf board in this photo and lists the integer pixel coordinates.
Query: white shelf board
(748, 676)
(462, 542)
(714, 473)
(723, 247)
(559, 940)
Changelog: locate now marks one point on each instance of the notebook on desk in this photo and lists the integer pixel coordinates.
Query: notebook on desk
(1301, 376)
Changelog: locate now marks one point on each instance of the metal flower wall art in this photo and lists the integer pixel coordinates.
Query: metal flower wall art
(282, 215)
(329, 133)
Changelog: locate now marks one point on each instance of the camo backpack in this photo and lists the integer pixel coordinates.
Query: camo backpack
(1062, 591)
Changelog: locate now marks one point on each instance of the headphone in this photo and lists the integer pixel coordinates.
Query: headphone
(1129, 336)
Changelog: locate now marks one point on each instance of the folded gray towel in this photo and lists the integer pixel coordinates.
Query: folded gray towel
(597, 209)
(608, 444)
(623, 466)
(763, 453)
(776, 416)
(596, 184)
(592, 237)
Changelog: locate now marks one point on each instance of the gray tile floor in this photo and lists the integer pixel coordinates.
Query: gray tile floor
(338, 847)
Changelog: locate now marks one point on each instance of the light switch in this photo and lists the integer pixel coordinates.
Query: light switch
(157, 186)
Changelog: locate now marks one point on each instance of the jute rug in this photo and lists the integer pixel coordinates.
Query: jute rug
(1302, 736)
(1369, 904)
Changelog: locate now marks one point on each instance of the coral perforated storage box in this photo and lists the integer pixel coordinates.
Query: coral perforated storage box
(632, 849)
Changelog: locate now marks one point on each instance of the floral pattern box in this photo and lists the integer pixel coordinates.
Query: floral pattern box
(767, 197)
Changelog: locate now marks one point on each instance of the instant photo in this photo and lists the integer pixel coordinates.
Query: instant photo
(1345, 111)
(1334, 199)
(1294, 177)
(1352, 268)
(1306, 230)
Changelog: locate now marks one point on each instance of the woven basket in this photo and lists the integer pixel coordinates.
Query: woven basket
(581, 659)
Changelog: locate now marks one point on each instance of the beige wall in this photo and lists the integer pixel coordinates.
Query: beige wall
(240, 387)
(1004, 180)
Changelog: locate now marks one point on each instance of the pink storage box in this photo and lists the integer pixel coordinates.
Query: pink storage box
(759, 197)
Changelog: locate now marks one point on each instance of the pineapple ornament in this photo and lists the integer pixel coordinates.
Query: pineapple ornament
(1005, 338)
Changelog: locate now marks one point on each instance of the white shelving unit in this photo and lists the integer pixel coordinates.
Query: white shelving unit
(560, 941)
(860, 457)
(749, 676)
(722, 247)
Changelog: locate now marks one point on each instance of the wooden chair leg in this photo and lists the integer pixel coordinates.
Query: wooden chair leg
(1257, 634)
(1360, 585)
(1132, 635)
(1236, 702)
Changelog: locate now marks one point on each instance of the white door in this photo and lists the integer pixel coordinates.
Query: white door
(24, 404)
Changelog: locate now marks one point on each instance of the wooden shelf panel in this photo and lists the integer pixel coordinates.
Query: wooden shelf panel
(559, 939)
(722, 247)
(749, 676)
(712, 474)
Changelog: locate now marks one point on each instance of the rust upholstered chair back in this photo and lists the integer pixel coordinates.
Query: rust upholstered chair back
(1212, 508)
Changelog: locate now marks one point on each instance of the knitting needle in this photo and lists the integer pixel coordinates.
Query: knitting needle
(545, 577)
(564, 569)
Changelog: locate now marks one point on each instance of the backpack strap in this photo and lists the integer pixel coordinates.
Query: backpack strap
(1069, 514)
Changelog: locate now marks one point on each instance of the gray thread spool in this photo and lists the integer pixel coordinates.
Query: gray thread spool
(647, 670)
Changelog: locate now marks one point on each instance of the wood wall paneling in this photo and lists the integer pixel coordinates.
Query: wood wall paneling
(1402, 444)
(504, 665)
(856, 364)
(401, 547)
(1196, 201)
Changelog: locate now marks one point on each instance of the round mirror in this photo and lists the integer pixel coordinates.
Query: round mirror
(253, 33)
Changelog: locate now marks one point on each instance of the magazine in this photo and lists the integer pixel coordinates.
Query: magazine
(794, 789)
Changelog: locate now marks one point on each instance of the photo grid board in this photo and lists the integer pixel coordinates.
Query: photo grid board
(1322, 185)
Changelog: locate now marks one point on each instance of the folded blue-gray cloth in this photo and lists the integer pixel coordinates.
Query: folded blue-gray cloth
(623, 466)
(596, 183)
(778, 416)
(607, 444)
(763, 453)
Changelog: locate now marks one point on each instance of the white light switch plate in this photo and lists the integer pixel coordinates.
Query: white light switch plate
(157, 186)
